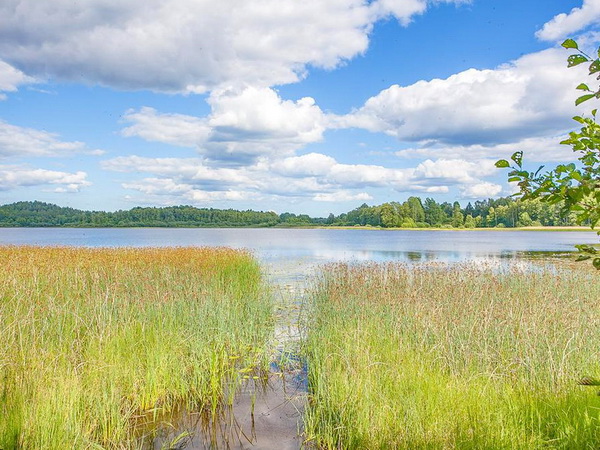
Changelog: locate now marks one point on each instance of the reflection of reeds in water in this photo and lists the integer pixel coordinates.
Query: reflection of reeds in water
(266, 410)
(100, 346)
(438, 357)
(200, 429)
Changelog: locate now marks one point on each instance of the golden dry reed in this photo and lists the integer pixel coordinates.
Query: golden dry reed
(464, 357)
(96, 342)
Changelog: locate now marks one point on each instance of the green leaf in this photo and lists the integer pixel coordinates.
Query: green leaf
(511, 179)
(575, 60)
(596, 263)
(594, 67)
(538, 171)
(584, 98)
(586, 249)
(583, 87)
(517, 157)
(570, 43)
(574, 196)
(501, 164)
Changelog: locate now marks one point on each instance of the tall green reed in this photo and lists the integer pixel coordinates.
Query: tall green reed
(438, 357)
(96, 345)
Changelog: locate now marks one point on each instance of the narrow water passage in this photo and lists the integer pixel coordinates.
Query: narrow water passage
(264, 415)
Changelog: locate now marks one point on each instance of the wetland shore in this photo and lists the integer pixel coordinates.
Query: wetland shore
(202, 348)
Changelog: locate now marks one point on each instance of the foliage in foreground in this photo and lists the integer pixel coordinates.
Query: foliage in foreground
(576, 185)
(95, 343)
(453, 358)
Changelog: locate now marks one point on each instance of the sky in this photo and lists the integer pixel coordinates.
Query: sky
(311, 106)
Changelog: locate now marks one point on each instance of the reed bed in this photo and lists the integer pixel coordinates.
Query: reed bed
(96, 345)
(464, 357)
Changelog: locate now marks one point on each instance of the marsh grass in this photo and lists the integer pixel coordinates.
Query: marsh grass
(463, 357)
(97, 345)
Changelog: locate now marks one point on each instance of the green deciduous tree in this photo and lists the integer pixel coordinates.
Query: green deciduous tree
(458, 219)
(434, 214)
(415, 209)
(470, 221)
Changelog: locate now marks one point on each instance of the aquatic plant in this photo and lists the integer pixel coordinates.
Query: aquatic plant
(462, 357)
(97, 345)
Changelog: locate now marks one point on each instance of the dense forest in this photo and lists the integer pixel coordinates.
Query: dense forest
(413, 213)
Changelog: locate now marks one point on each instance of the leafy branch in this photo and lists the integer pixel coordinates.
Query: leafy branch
(594, 68)
(577, 186)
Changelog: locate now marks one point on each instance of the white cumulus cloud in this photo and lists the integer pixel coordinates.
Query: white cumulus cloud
(454, 170)
(314, 176)
(481, 190)
(532, 96)
(18, 141)
(11, 78)
(342, 196)
(243, 125)
(174, 129)
(13, 176)
(563, 25)
(537, 149)
(188, 45)
(311, 164)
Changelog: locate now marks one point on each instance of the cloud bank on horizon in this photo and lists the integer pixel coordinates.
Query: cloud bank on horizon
(204, 112)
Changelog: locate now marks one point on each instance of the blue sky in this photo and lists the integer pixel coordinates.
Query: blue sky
(309, 107)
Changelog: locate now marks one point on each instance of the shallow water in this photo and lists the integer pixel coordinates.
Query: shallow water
(267, 412)
(262, 417)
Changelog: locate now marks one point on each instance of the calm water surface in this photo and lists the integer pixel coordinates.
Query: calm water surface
(274, 246)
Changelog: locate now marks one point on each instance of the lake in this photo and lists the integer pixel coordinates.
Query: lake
(285, 247)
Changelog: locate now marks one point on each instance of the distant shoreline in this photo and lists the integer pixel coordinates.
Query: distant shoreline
(499, 214)
(322, 227)
(542, 228)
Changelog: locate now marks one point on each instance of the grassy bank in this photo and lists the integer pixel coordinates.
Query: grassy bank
(369, 227)
(97, 343)
(453, 358)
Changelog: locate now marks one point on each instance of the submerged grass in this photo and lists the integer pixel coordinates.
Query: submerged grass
(434, 357)
(96, 343)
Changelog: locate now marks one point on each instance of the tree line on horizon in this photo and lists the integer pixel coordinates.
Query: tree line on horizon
(412, 213)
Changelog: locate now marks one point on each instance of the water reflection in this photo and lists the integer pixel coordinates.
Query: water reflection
(289, 255)
(321, 245)
(264, 414)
